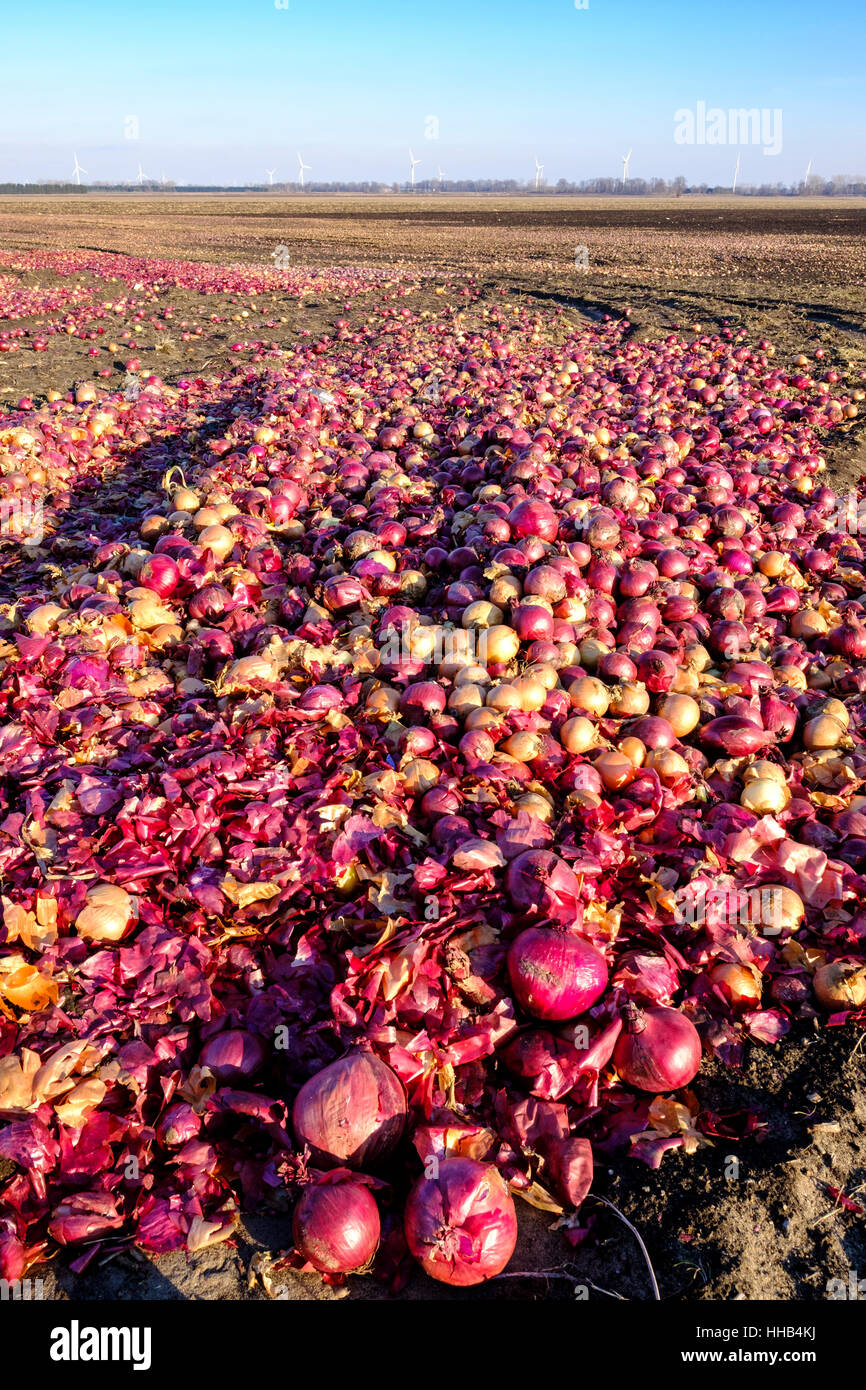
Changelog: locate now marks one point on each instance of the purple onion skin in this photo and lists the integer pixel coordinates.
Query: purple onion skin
(555, 975)
(352, 1112)
(233, 1055)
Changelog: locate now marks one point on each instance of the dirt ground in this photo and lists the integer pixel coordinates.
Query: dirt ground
(787, 269)
(749, 1217)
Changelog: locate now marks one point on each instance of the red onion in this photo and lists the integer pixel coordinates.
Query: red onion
(336, 1225)
(534, 518)
(352, 1112)
(159, 573)
(460, 1224)
(555, 975)
(532, 624)
(657, 670)
(210, 603)
(541, 885)
(849, 639)
(659, 1049)
(735, 736)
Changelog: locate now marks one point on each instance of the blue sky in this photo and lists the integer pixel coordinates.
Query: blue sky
(223, 90)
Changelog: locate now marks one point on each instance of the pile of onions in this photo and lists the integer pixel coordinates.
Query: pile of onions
(461, 1225)
(346, 710)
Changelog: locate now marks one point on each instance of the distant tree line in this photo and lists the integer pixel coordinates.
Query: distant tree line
(839, 186)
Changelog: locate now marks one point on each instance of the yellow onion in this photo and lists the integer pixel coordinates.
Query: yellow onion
(503, 697)
(614, 769)
(740, 984)
(682, 713)
(765, 796)
(590, 694)
(840, 984)
(505, 590)
(522, 746)
(837, 710)
(773, 563)
(531, 693)
(806, 624)
(782, 910)
(697, 658)
(633, 749)
(464, 698)
(544, 672)
(147, 612)
(218, 539)
(792, 676)
(668, 765)
(419, 775)
(45, 618)
(499, 645)
(484, 718)
(629, 700)
(824, 732)
(762, 769)
(107, 913)
(185, 500)
(482, 614)
(535, 805)
(578, 735)
(592, 651)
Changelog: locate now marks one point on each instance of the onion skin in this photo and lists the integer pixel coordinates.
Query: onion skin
(659, 1050)
(461, 1225)
(555, 975)
(336, 1226)
(352, 1112)
(233, 1055)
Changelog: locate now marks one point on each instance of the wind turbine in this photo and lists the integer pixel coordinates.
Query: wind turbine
(270, 173)
(441, 179)
(77, 171)
(806, 179)
(412, 162)
(736, 175)
(301, 167)
(625, 160)
(539, 173)
(142, 176)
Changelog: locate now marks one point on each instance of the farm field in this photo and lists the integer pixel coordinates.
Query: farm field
(247, 329)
